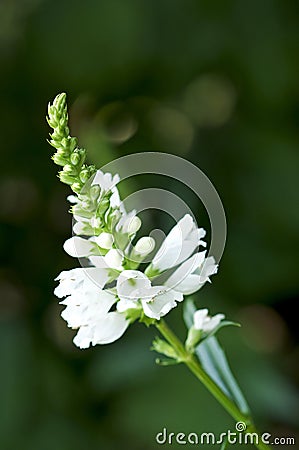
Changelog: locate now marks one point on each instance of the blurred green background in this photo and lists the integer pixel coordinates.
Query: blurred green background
(214, 82)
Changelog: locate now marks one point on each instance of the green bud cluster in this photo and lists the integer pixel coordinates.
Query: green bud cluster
(75, 172)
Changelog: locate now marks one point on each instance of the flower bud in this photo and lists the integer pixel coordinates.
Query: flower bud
(84, 175)
(76, 187)
(144, 245)
(75, 159)
(73, 143)
(161, 346)
(193, 338)
(70, 170)
(104, 204)
(104, 240)
(59, 101)
(67, 178)
(59, 159)
(132, 225)
(65, 144)
(94, 192)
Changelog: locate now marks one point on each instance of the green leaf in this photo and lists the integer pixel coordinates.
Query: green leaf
(214, 362)
(189, 310)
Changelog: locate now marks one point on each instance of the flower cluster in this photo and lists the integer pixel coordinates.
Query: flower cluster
(102, 299)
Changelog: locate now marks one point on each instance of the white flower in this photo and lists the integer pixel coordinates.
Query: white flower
(87, 248)
(81, 280)
(179, 244)
(203, 322)
(106, 181)
(134, 289)
(90, 314)
(192, 274)
(79, 247)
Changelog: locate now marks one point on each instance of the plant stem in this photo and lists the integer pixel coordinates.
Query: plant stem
(192, 363)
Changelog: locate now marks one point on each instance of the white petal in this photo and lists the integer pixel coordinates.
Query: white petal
(182, 279)
(199, 317)
(190, 285)
(115, 199)
(84, 337)
(161, 304)
(212, 323)
(114, 259)
(110, 328)
(96, 276)
(98, 261)
(130, 283)
(78, 247)
(105, 180)
(83, 279)
(180, 243)
(72, 199)
(79, 227)
(209, 268)
(124, 304)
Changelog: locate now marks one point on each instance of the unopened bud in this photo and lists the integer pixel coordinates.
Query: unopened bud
(145, 245)
(84, 175)
(73, 143)
(70, 170)
(104, 240)
(94, 191)
(59, 159)
(132, 225)
(75, 159)
(104, 204)
(67, 178)
(193, 338)
(76, 187)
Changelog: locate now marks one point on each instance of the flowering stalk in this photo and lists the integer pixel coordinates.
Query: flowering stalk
(112, 291)
(75, 172)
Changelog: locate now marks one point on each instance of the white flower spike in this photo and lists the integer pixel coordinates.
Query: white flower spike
(103, 299)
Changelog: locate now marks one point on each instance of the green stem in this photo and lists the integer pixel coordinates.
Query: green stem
(194, 366)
